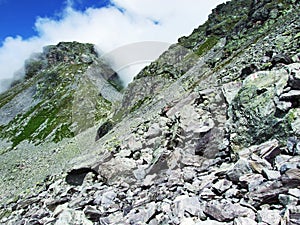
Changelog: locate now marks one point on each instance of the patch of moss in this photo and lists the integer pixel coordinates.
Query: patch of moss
(208, 44)
(5, 213)
(40, 121)
(139, 104)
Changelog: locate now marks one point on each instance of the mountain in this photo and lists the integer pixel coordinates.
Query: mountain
(207, 134)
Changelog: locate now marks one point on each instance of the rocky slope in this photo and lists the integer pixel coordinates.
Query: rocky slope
(207, 134)
(66, 90)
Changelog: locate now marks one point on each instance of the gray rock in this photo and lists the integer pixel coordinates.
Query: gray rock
(282, 105)
(288, 163)
(294, 215)
(149, 180)
(207, 193)
(254, 107)
(296, 123)
(271, 217)
(231, 193)
(69, 216)
(240, 168)
(291, 178)
(188, 174)
(258, 164)
(139, 173)
(117, 170)
(244, 221)
(289, 96)
(251, 181)
(174, 177)
(18, 105)
(293, 146)
(211, 222)
(187, 204)
(141, 214)
(268, 150)
(92, 213)
(287, 200)
(226, 211)
(108, 198)
(230, 90)
(222, 185)
(271, 174)
(153, 131)
(295, 192)
(282, 161)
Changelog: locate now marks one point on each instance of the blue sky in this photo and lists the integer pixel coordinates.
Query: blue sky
(17, 17)
(26, 26)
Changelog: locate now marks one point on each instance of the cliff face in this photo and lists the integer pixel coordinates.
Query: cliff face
(206, 134)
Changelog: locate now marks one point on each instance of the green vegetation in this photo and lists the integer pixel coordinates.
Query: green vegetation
(208, 44)
(139, 104)
(52, 117)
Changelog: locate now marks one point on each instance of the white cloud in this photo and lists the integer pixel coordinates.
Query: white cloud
(122, 23)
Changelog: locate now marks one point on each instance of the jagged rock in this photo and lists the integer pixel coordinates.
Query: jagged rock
(271, 174)
(185, 204)
(294, 79)
(258, 164)
(256, 95)
(153, 131)
(142, 215)
(242, 167)
(117, 169)
(268, 150)
(139, 173)
(293, 146)
(230, 90)
(251, 181)
(108, 198)
(296, 123)
(189, 174)
(149, 180)
(287, 200)
(267, 193)
(291, 178)
(222, 185)
(207, 193)
(281, 58)
(226, 211)
(269, 216)
(290, 96)
(69, 216)
(294, 215)
(294, 192)
(92, 213)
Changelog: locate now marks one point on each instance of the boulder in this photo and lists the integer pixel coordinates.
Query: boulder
(226, 211)
(241, 167)
(271, 217)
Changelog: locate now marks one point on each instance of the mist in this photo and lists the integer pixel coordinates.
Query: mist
(120, 25)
